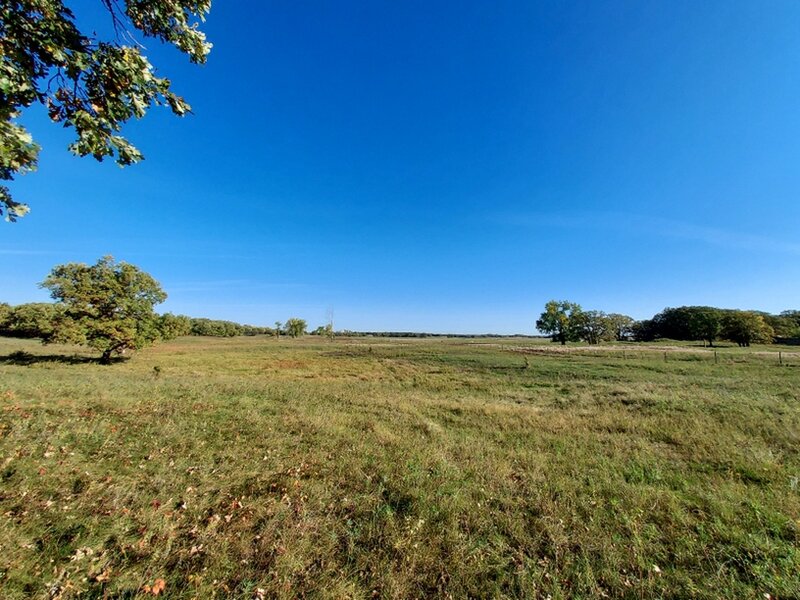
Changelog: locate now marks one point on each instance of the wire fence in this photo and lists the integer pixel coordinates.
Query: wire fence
(723, 355)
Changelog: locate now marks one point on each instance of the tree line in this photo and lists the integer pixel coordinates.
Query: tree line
(109, 306)
(40, 319)
(566, 321)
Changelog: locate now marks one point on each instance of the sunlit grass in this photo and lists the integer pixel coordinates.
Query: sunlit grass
(252, 467)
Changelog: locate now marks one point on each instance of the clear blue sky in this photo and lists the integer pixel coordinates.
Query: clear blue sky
(447, 166)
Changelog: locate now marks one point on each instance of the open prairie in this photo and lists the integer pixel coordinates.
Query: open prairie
(384, 468)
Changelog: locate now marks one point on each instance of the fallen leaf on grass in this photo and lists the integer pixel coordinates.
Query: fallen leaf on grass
(156, 588)
(104, 576)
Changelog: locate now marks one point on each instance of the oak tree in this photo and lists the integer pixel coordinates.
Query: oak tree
(746, 327)
(560, 320)
(86, 83)
(107, 306)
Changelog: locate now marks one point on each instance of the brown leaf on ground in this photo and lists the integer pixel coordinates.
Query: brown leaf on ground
(156, 588)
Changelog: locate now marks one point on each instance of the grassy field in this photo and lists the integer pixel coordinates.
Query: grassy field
(253, 468)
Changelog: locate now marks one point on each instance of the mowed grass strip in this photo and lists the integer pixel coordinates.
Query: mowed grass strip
(257, 468)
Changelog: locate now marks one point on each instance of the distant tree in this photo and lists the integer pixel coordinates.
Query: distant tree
(705, 323)
(324, 331)
(32, 320)
(215, 328)
(86, 83)
(644, 331)
(786, 324)
(701, 323)
(278, 329)
(746, 327)
(252, 330)
(295, 327)
(172, 326)
(5, 316)
(673, 324)
(792, 315)
(560, 320)
(621, 326)
(107, 306)
(593, 326)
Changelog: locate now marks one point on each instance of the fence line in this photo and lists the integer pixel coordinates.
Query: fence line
(674, 354)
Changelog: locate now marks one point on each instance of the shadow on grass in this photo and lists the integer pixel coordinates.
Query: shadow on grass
(26, 359)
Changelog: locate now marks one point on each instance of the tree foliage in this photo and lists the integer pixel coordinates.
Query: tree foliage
(32, 320)
(173, 326)
(220, 328)
(621, 326)
(707, 324)
(5, 316)
(692, 323)
(107, 306)
(568, 322)
(295, 327)
(785, 325)
(325, 331)
(746, 327)
(561, 320)
(593, 327)
(91, 85)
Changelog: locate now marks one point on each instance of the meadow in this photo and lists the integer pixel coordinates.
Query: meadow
(256, 468)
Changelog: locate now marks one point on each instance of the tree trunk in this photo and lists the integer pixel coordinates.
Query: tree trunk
(105, 359)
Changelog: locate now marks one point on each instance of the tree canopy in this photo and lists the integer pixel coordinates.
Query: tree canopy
(295, 327)
(746, 327)
(91, 85)
(561, 320)
(107, 306)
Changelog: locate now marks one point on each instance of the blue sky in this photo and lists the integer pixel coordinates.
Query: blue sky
(447, 166)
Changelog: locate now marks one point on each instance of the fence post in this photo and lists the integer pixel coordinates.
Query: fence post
(665, 356)
(780, 357)
(716, 359)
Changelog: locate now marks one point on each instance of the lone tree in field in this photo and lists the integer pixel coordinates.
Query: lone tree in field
(107, 306)
(94, 86)
(560, 320)
(295, 327)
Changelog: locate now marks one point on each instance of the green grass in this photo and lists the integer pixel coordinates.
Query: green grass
(376, 468)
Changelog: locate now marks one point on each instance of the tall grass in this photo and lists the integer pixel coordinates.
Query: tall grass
(256, 468)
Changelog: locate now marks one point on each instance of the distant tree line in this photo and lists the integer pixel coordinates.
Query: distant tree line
(40, 319)
(709, 324)
(109, 306)
(566, 321)
(422, 334)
